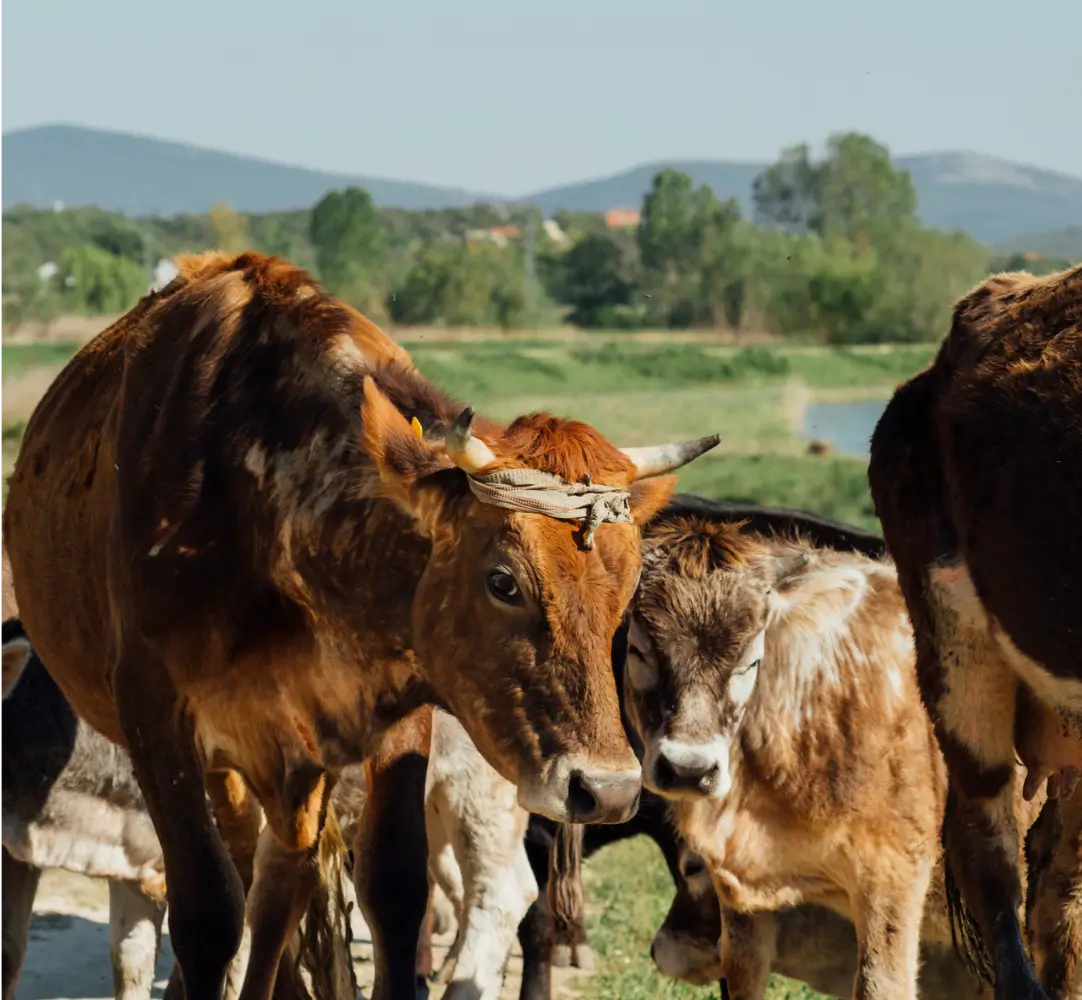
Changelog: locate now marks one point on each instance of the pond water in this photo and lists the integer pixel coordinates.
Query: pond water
(847, 426)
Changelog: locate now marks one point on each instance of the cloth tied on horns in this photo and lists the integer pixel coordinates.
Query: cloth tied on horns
(532, 491)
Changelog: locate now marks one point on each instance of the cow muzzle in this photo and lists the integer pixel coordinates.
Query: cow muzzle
(578, 792)
(688, 770)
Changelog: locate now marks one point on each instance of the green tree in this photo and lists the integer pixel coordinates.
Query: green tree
(596, 278)
(350, 242)
(854, 193)
(95, 282)
(676, 221)
(229, 229)
(455, 284)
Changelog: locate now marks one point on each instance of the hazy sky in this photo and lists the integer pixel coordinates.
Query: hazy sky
(507, 96)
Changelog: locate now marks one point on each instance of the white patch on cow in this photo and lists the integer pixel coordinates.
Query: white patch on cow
(348, 353)
(895, 680)
(84, 835)
(979, 685)
(255, 461)
(642, 669)
(1055, 692)
(746, 673)
(809, 632)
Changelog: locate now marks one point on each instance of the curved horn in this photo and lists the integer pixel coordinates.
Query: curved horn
(469, 453)
(662, 458)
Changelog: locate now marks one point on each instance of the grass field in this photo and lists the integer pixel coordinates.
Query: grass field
(637, 393)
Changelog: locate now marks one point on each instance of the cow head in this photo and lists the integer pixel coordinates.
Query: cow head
(696, 641)
(17, 654)
(687, 944)
(515, 613)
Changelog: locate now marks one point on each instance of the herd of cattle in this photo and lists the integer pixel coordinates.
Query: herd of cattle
(287, 629)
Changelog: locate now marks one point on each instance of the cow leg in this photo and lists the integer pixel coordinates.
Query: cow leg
(287, 869)
(20, 886)
(747, 947)
(536, 932)
(1054, 900)
(391, 869)
(238, 815)
(205, 895)
(446, 873)
(135, 929)
(499, 889)
(887, 913)
(973, 704)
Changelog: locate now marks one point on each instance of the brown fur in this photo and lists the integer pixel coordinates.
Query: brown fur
(975, 474)
(222, 450)
(838, 787)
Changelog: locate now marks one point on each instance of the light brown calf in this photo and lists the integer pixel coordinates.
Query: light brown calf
(303, 541)
(774, 687)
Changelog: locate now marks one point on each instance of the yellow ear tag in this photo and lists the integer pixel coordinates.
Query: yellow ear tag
(416, 425)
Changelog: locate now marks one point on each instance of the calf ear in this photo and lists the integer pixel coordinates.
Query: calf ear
(787, 568)
(402, 457)
(17, 654)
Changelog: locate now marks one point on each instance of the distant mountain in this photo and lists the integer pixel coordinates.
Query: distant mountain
(138, 175)
(995, 200)
(1065, 244)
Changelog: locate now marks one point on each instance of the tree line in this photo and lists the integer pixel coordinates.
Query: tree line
(833, 251)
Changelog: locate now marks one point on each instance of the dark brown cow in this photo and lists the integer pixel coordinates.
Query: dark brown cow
(976, 473)
(303, 541)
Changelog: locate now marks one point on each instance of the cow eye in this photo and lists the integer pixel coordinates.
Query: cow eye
(694, 867)
(502, 586)
(754, 665)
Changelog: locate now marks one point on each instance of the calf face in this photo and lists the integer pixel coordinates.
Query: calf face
(695, 645)
(686, 945)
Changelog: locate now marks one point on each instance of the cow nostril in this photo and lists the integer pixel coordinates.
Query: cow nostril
(686, 776)
(581, 801)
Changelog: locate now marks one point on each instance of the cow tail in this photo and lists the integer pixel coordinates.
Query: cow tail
(563, 894)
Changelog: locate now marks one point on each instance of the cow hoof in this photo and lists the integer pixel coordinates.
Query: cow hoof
(584, 958)
(561, 956)
(422, 988)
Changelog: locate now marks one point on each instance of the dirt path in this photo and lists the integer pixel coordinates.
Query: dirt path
(68, 955)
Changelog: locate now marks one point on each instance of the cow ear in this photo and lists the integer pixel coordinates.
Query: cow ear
(403, 458)
(649, 497)
(17, 654)
(787, 568)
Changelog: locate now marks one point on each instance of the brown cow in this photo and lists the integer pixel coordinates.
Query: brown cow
(774, 687)
(304, 540)
(976, 473)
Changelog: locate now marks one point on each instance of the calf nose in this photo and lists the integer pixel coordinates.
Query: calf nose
(603, 796)
(692, 774)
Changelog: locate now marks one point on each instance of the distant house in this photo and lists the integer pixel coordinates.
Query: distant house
(553, 231)
(621, 218)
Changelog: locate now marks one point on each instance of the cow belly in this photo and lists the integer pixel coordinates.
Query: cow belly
(88, 837)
